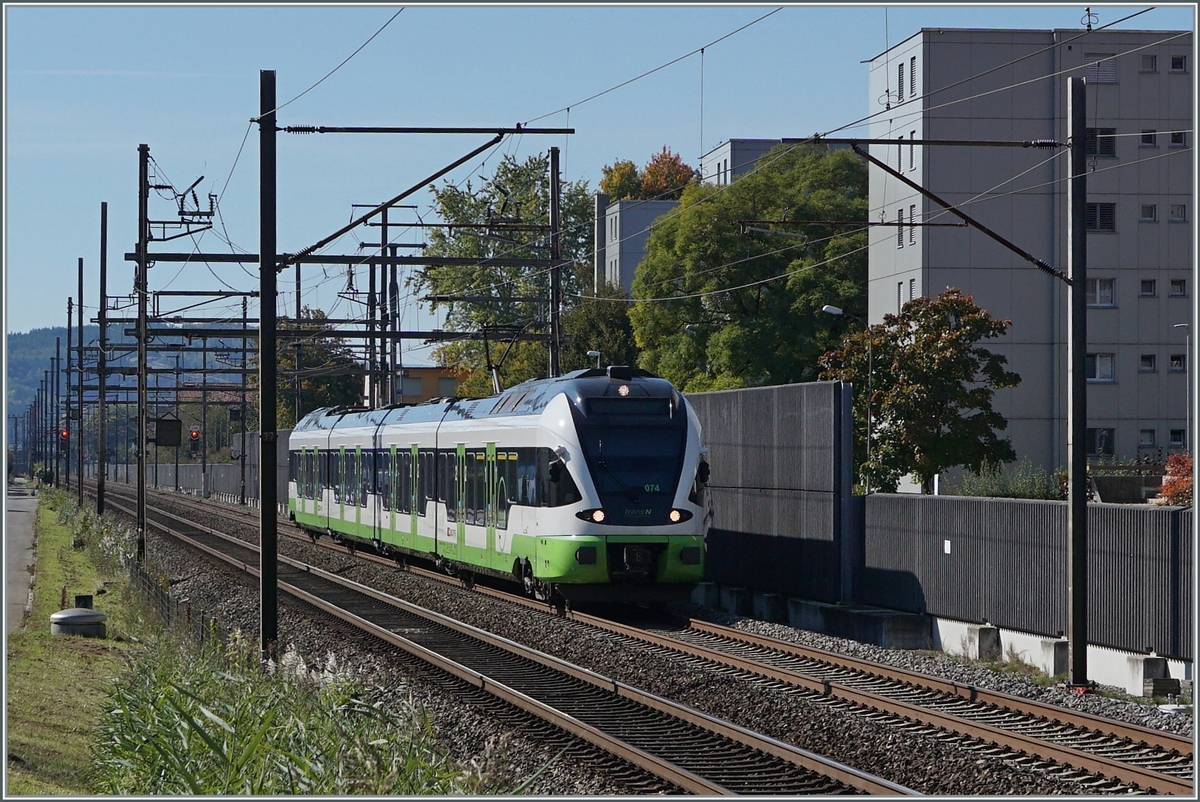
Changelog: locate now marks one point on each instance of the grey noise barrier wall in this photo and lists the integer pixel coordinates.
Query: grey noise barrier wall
(779, 489)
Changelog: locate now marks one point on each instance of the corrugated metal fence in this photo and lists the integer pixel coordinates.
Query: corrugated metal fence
(1005, 561)
(779, 487)
(783, 520)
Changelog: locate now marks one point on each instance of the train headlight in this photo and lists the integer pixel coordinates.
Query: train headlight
(594, 516)
(678, 516)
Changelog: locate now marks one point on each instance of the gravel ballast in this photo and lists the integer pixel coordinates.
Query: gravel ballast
(922, 762)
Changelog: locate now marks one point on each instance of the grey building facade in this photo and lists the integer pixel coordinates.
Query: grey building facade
(733, 158)
(622, 231)
(1012, 85)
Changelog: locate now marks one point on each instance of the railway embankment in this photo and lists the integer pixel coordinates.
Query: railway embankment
(62, 690)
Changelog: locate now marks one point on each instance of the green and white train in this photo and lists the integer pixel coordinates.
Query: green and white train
(584, 487)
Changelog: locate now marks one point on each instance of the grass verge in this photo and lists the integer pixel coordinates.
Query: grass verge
(142, 713)
(55, 683)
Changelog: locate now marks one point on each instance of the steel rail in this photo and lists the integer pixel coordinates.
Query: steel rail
(685, 779)
(1096, 764)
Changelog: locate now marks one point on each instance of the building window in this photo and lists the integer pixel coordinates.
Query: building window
(1149, 63)
(1179, 139)
(1149, 363)
(1101, 142)
(1178, 63)
(900, 154)
(1147, 438)
(447, 386)
(912, 288)
(1099, 442)
(1100, 68)
(899, 296)
(1178, 288)
(1101, 217)
(900, 227)
(912, 77)
(912, 150)
(1149, 288)
(1178, 363)
(1101, 292)
(412, 386)
(900, 81)
(1149, 138)
(1175, 439)
(1099, 367)
(1149, 213)
(1178, 213)
(912, 224)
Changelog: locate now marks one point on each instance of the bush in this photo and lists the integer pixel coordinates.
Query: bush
(205, 724)
(1023, 480)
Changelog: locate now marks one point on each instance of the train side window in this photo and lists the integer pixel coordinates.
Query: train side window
(383, 476)
(446, 483)
(425, 478)
(335, 475)
(291, 466)
(366, 476)
(402, 481)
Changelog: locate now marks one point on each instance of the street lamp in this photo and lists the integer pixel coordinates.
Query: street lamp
(1187, 377)
(595, 355)
(836, 310)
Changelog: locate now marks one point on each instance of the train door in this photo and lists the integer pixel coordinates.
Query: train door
(340, 492)
(460, 498)
(357, 480)
(490, 502)
(392, 470)
(414, 492)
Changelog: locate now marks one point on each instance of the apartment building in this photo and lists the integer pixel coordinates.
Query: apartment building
(1011, 85)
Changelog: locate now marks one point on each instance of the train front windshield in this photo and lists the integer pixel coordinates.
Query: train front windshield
(634, 452)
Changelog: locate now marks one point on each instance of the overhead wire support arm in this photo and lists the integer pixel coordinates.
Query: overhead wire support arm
(294, 258)
(1036, 262)
(375, 129)
(1039, 144)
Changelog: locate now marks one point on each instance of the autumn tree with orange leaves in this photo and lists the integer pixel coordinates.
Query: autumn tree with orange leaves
(664, 177)
(1177, 484)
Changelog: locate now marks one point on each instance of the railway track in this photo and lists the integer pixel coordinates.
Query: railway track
(692, 751)
(1046, 736)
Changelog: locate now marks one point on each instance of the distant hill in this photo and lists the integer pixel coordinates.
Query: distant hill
(31, 354)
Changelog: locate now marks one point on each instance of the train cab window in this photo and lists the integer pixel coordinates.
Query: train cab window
(292, 471)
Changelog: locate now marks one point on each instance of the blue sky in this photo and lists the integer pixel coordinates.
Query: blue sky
(85, 85)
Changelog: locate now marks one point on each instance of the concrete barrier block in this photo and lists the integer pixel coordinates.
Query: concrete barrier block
(805, 614)
(895, 630)
(1142, 668)
(1054, 656)
(983, 643)
(770, 607)
(706, 594)
(736, 600)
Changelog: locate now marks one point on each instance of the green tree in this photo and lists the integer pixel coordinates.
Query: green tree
(929, 388)
(621, 181)
(718, 308)
(330, 375)
(599, 323)
(506, 217)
